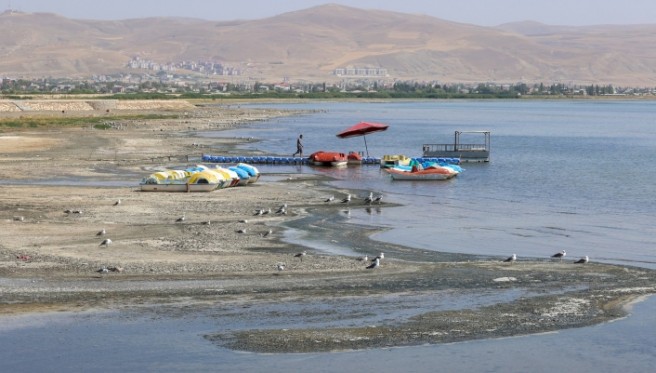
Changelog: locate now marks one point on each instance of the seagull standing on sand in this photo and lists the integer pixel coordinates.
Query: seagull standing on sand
(300, 255)
(375, 264)
(511, 259)
(106, 242)
(117, 203)
(369, 199)
(281, 267)
(282, 209)
(378, 198)
(583, 260)
(267, 233)
(102, 232)
(103, 270)
(259, 212)
(363, 259)
(347, 199)
(181, 219)
(559, 255)
(330, 199)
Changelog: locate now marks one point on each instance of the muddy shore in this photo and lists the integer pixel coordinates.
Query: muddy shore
(222, 254)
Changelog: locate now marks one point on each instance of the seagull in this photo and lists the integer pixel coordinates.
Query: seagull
(102, 232)
(300, 255)
(19, 218)
(363, 259)
(330, 199)
(282, 209)
(378, 198)
(243, 221)
(281, 267)
(103, 270)
(241, 230)
(375, 264)
(511, 258)
(369, 199)
(117, 203)
(181, 219)
(347, 199)
(379, 257)
(209, 222)
(106, 242)
(559, 255)
(582, 260)
(267, 233)
(267, 211)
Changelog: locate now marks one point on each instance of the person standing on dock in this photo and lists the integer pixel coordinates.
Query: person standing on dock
(299, 146)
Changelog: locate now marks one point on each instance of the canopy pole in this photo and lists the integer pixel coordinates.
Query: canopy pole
(365, 145)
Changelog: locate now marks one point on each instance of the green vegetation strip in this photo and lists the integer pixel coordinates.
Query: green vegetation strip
(53, 122)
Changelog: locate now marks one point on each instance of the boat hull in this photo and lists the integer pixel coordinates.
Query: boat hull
(420, 175)
(178, 187)
(329, 159)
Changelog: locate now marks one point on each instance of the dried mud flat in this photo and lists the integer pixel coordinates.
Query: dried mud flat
(222, 255)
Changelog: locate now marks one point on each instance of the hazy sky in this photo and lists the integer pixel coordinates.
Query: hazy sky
(478, 12)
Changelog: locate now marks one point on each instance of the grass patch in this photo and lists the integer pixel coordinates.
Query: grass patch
(96, 122)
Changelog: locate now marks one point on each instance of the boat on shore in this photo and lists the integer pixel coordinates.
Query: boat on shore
(199, 179)
(203, 181)
(330, 159)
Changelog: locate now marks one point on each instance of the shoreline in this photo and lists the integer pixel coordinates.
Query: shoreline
(165, 262)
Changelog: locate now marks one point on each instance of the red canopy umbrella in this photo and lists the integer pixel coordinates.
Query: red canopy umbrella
(361, 129)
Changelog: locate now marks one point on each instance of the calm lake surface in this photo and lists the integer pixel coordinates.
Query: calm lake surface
(573, 175)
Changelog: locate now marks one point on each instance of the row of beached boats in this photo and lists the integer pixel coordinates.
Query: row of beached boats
(200, 178)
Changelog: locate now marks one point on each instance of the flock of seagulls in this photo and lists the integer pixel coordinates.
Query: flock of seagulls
(559, 255)
(282, 210)
(368, 200)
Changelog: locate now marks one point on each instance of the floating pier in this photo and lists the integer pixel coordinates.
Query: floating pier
(270, 159)
(305, 160)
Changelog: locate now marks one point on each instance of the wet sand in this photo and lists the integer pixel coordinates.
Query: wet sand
(49, 258)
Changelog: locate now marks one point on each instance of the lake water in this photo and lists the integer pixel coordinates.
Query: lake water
(573, 175)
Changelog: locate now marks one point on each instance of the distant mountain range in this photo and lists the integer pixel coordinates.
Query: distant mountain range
(311, 44)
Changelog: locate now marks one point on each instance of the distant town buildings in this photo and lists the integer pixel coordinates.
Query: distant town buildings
(203, 67)
(361, 72)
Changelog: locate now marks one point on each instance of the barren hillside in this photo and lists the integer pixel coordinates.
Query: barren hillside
(310, 44)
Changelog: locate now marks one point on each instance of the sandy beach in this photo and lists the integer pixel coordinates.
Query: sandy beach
(49, 257)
